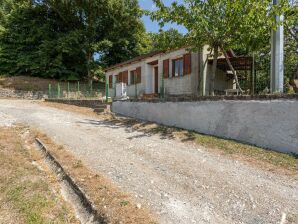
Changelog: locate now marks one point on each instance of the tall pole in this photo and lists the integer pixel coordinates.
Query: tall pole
(277, 56)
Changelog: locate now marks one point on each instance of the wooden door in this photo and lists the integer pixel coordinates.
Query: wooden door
(156, 79)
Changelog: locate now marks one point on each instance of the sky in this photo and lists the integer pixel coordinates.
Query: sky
(152, 26)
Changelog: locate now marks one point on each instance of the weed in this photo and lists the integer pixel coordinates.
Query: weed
(124, 203)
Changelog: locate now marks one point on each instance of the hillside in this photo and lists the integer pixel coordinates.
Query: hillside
(27, 83)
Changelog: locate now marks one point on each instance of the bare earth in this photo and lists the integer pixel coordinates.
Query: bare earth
(180, 182)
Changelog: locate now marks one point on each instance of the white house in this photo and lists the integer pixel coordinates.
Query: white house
(179, 71)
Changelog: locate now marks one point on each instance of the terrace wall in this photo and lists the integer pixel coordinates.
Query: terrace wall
(266, 123)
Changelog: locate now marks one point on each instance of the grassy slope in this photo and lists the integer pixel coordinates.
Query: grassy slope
(27, 194)
(26, 83)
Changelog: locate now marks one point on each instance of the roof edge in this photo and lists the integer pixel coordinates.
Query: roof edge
(141, 57)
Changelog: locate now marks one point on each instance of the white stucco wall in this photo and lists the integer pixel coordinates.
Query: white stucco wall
(270, 124)
(188, 84)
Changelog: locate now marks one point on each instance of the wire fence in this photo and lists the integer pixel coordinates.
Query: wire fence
(76, 90)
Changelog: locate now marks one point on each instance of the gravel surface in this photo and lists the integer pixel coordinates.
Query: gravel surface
(180, 182)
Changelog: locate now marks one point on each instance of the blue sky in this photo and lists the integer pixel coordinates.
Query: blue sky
(153, 26)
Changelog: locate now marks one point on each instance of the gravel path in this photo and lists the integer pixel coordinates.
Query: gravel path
(179, 182)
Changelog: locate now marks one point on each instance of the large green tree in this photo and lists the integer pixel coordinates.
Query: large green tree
(59, 38)
(221, 24)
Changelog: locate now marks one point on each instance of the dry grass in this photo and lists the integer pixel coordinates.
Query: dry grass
(265, 159)
(27, 193)
(112, 204)
(26, 83)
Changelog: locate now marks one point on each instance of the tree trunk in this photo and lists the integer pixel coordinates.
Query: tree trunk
(232, 69)
(213, 72)
(294, 84)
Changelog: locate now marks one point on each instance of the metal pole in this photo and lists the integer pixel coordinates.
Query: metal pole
(107, 90)
(78, 89)
(67, 89)
(91, 89)
(253, 74)
(50, 90)
(277, 56)
(58, 90)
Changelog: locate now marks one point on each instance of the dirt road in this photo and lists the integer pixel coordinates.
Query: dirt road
(178, 181)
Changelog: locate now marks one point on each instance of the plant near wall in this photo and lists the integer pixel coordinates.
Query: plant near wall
(221, 24)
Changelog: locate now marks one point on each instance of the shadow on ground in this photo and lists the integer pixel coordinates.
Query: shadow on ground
(144, 129)
(242, 151)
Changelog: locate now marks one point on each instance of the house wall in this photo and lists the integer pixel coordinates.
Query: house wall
(270, 124)
(188, 84)
(141, 87)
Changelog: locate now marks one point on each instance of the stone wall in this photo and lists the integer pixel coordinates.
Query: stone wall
(270, 124)
(30, 95)
(80, 103)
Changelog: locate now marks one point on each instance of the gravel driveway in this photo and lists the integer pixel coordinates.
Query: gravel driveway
(178, 181)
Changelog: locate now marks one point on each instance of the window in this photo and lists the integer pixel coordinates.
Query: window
(132, 77)
(178, 67)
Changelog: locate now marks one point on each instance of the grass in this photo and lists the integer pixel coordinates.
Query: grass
(26, 83)
(27, 193)
(29, 83)
(248, 152)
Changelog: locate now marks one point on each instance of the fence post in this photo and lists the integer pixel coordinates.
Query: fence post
(107, 91)
(78, 89)
(91, 89)
(50, 91)
(68, 90)
(58, 90)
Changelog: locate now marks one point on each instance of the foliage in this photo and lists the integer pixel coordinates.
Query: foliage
(58, 39)
(166, 40)
(222, 24)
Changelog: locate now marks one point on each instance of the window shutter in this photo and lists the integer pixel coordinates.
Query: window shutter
(125, 77)
(166, 65)
(187, 64)
(120, 79)
(139, 75)
(111, 81)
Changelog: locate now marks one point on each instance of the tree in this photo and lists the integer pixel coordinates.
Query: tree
(221, 24)
(58, 39)
(166, 40)
(291, 46)
(126, 33)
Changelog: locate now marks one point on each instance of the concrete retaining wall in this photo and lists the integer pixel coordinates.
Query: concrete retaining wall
(270, 123)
